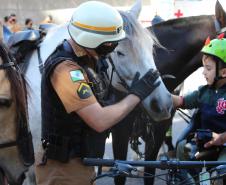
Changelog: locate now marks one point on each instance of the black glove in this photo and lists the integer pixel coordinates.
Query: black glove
(143, 87)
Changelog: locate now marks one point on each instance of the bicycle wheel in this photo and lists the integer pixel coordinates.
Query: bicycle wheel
(181, 177)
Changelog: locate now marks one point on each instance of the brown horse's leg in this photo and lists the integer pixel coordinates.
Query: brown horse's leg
(159, 130)
(120, 138)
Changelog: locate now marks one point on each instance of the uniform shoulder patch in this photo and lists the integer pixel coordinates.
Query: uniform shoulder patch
(76, 75)
(84, 91)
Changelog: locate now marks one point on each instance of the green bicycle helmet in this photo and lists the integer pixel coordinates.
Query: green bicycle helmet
(216, 47)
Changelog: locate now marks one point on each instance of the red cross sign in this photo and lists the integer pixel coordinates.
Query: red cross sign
(178, 14)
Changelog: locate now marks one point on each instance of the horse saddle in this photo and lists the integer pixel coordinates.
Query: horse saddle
(23, 42)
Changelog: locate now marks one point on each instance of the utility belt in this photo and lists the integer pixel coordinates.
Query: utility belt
(64, 148)
(59, 148)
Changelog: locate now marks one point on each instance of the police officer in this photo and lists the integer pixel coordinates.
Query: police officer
(74, 114)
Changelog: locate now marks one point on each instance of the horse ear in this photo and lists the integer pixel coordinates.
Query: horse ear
(220, 14)
(136, 8)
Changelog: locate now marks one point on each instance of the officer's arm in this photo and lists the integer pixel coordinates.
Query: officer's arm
(101, 118)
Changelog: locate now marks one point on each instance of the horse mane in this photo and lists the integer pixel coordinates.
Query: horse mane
(17, 84)
(181, 22)
(138, 36)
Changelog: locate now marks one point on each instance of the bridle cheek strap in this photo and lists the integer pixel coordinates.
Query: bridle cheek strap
(7, 65)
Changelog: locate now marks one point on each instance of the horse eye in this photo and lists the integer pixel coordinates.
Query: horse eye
(5, 102)
(119, 53)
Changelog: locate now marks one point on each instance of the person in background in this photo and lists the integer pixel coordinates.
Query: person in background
(13, 25)
(157, 19)
(48, 19)
(6, 20)
(28, 24)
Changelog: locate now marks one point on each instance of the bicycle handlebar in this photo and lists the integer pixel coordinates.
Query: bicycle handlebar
(162, 164)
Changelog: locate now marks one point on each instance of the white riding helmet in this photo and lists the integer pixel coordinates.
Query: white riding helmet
(94, 23)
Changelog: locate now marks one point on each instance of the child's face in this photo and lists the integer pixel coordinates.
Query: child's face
(209, 70)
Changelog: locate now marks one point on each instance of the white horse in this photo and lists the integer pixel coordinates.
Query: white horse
(133, 54)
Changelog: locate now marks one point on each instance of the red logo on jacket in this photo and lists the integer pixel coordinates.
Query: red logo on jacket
(221, 106)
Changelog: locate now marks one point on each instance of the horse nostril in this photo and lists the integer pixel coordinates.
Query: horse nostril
(155, 106)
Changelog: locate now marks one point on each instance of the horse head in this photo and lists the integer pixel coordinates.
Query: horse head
(12, 109)
(135, 54)
(7, 95)
(7, 104)
(220, 15)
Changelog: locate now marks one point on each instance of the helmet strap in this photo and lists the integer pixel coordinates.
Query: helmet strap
(217, 77)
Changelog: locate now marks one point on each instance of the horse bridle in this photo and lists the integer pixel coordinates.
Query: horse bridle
(134, 139)
(6, 65)
(122, 80)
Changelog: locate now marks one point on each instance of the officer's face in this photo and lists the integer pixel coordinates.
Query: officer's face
(106, 48)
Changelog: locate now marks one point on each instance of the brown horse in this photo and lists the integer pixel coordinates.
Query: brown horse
(13, 115)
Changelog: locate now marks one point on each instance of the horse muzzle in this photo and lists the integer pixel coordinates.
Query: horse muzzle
(160, 109)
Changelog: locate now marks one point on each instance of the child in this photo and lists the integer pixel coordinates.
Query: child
(211, 98)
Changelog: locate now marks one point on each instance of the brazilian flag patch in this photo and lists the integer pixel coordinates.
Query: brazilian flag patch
(77, 75)
(84, 91)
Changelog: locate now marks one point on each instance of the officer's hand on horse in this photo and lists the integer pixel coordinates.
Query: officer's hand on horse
(146, 85)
